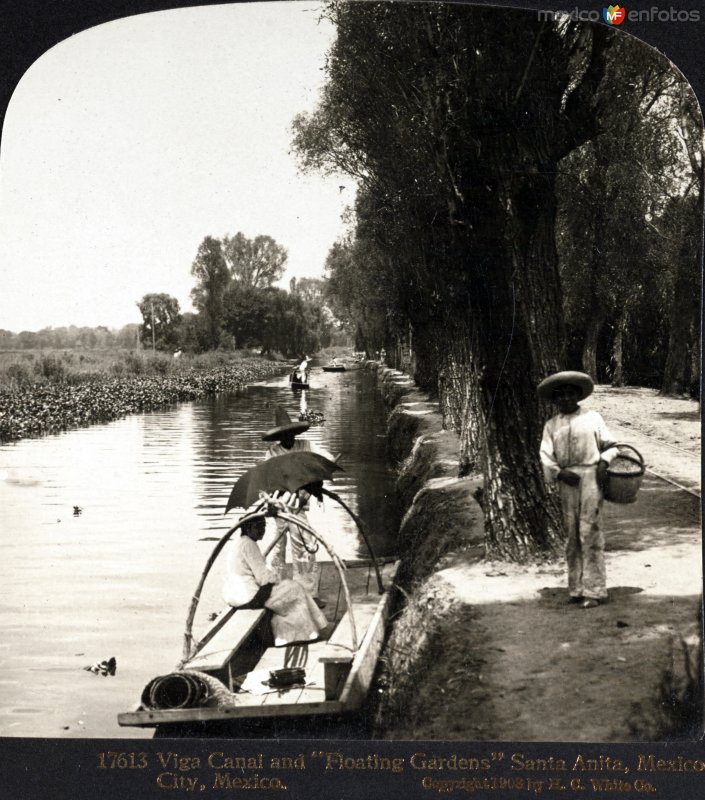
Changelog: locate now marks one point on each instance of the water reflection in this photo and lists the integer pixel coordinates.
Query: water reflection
(115, 579)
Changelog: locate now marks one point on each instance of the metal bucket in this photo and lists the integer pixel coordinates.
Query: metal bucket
(624, 475)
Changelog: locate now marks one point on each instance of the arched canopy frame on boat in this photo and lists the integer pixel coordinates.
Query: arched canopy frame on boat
(269, 507)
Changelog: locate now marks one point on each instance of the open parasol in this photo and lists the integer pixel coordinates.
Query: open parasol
(289, 472)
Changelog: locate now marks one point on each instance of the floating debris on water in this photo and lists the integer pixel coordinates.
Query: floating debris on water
(104, 668)
(313, 417)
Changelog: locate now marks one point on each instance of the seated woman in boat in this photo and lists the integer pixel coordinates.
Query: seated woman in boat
(251, 584)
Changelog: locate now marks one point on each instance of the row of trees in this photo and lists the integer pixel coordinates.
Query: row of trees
(479, 138)
(237, 304)
(70, 338)
(628, 229)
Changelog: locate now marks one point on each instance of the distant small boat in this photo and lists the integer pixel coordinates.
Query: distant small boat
(334, 368)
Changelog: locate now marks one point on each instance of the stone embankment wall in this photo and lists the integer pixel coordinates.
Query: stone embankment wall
(442, 521)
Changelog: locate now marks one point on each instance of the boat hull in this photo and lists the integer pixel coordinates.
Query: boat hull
(338, 677)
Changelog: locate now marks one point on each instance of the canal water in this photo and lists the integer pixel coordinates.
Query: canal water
(105, 531)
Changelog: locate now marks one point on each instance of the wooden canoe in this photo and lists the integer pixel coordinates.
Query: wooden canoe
(333, 368)
(236, 651)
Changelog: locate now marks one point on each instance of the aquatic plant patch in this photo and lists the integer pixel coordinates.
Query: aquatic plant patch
(43, 408)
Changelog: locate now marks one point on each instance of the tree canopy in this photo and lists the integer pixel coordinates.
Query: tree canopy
(161, 319)
(212, 278)
(456, 122)
(257, 262)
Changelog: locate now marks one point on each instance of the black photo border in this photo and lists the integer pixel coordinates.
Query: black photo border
(53, 769)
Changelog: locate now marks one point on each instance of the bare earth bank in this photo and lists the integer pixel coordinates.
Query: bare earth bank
(504, 656)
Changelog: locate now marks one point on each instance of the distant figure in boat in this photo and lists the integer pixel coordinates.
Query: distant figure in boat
(301, 374)
(249, 583)
(303, 547)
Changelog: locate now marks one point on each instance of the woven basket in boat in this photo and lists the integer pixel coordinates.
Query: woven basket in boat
(186, 689)
(624, 475)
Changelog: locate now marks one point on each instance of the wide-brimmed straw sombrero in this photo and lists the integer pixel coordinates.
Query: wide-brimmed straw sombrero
(580, 380)
(284, 425)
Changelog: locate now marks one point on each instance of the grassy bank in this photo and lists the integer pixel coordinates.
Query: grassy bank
(21, 368)
(48, 392)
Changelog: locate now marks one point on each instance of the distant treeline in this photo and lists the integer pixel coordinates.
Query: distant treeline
(71, 338)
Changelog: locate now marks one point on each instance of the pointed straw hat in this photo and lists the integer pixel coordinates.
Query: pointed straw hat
(284, 425)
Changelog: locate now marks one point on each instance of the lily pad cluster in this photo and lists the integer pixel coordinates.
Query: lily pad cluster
(45, 408)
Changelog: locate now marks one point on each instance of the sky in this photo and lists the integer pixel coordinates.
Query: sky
(127, 144)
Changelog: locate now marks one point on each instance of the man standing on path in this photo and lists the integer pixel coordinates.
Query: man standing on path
(576, 450)
(303, 547)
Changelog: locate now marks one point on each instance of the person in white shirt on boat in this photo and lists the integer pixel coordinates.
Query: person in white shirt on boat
(303, 547)
(249, 583)
(302, 370)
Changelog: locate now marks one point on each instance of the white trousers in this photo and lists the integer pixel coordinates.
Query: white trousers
(305, 569)
(585, 545)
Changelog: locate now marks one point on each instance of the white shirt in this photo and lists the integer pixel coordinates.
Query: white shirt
(247, 571)
(580, 439)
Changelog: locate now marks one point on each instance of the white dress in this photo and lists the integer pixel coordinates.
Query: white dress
(296, 618)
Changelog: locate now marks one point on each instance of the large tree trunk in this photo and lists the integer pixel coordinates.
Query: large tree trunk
(507, 244)
(596, 310)
(457, 383)
(592, 335)
(684, 316)
(517, 322)
(618, 349)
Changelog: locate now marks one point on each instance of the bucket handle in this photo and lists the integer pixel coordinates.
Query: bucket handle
(631, 447)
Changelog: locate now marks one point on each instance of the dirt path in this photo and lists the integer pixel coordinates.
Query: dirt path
(524, 664)
(665, 430)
